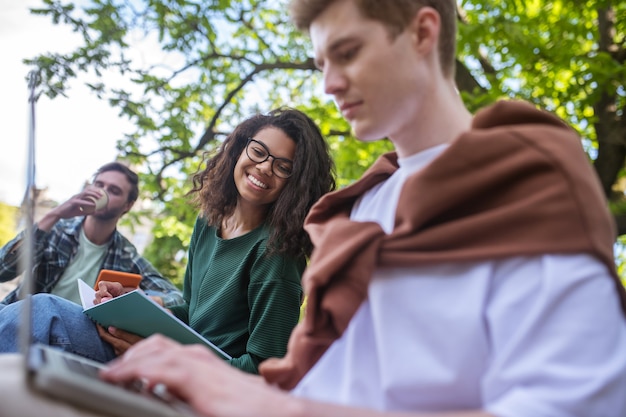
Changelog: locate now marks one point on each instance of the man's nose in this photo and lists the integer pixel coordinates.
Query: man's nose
(334, 80)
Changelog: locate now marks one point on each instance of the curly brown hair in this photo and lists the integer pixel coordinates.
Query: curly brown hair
(215, 194)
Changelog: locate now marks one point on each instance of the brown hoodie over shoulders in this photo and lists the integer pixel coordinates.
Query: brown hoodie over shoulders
(517, 183)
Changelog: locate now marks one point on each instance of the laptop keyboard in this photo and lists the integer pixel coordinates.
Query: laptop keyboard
(77, 366)
(81, 367)
(41, 354)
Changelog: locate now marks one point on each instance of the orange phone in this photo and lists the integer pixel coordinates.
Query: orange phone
(127, 279)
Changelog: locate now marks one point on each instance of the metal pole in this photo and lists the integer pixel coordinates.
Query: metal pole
(27, 252)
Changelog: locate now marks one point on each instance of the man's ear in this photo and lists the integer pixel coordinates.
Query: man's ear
(129, 205)
(425, 28)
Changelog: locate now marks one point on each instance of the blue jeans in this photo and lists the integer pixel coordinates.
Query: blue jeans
(56, 322)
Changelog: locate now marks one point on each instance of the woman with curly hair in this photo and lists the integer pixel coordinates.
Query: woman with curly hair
(248, 248)
(299, 181)
(247, 253)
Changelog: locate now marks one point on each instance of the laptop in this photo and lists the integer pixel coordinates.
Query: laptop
(65, 376)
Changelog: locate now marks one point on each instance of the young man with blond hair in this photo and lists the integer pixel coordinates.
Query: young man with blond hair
(465, 275)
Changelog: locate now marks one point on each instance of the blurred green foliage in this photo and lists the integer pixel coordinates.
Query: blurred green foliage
(8, 222)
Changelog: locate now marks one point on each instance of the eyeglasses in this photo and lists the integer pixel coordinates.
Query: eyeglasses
(258, 152)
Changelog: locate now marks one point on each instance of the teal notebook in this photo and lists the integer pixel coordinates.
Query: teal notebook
(137, 313)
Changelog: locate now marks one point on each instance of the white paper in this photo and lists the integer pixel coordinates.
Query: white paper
(87, 294)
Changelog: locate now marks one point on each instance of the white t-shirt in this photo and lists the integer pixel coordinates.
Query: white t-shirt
(523, 336)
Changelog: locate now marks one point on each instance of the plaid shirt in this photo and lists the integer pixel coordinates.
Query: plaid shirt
(55, 249)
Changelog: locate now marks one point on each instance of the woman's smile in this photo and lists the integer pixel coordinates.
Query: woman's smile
(257, 182)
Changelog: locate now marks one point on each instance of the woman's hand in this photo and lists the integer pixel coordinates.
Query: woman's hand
(120, 340)
(107, 290)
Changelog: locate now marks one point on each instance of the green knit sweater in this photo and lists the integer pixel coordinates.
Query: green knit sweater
(239, 298)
